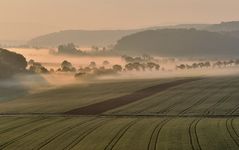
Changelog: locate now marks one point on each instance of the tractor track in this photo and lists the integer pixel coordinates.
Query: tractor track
(60, 133)
(120, 134)
(152, 144)
(192, 131)
(4, 145)
(82, 136)
(232, 132)
(192, 95)
(202, 100)
(21, 125)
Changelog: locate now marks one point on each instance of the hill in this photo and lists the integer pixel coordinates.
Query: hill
(83, 38)
(179, 42)
(224, 26)
(232, 33)
(88, 38)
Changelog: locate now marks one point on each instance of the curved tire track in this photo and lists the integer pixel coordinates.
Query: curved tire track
(192, 95)
(78, 139)
(21, 125)
(235, 109)
(4, 145)
(194, 140)
(218, 103)
(63, 131)
(120, 134)
(152, 145)
(232, 132)
(202, 100)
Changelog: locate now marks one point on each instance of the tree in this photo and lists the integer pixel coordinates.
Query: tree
(129, 67)
(11, 63)
(150, 65)
(31, 62)
(36, 67)
(69, 49)
(66, 66)
(207, 64)
(95, 48)
(106, 62)
(117, 68)
(128, 59)
(92, 64)
(182, 66)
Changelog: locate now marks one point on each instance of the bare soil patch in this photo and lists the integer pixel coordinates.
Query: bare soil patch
(101, 107)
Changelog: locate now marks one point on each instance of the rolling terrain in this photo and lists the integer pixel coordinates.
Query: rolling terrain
(169, 42)
(88, 38)
(199, 114)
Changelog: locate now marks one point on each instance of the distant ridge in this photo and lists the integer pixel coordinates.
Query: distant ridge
(88, 38)
(84, 38)
(224, 27)
(179, 42)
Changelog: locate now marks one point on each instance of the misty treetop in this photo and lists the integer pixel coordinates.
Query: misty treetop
(69, 49)
(36, 67)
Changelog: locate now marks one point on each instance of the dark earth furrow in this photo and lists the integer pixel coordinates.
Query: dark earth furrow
(99, 108)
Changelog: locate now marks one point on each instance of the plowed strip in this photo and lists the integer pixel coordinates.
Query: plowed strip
(113, 103)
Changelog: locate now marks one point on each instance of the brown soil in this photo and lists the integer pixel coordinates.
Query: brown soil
(101, 107)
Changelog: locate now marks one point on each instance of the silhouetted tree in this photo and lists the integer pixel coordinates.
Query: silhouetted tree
(66, 66)
(182, 66)
(92, 64)
(11, 63)
(69, 49)
(106, 62)
(117, 68)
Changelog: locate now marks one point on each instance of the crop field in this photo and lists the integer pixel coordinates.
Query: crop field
(74, 96)
(204, 98)
(90, 133)
(167, 114)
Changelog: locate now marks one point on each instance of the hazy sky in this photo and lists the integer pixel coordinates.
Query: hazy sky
(42, 16)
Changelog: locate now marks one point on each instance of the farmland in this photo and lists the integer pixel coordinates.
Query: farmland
(199, 114)
(118, 133)
(68, 97)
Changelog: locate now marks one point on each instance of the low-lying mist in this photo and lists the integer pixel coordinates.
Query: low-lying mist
(39, 82)
(52, 61)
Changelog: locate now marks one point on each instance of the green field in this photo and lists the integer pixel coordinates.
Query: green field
(74, 96)
(90, 133)
(199, 115)
(212, 96)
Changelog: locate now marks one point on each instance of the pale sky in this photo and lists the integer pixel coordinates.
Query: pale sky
(41, 16)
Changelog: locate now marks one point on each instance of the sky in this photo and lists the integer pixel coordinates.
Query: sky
(24, 19)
